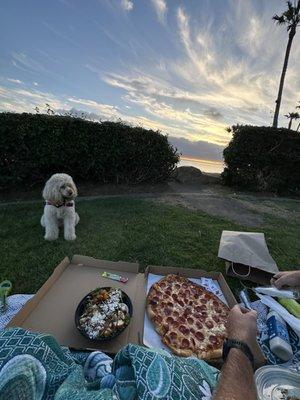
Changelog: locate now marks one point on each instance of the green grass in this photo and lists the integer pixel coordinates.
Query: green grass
(130, 230)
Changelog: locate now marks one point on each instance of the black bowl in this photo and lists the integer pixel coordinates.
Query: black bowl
(81, 307)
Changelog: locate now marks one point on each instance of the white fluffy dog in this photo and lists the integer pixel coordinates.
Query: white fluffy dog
(59, 194)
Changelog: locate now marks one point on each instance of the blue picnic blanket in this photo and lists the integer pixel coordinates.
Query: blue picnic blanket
(34, 367)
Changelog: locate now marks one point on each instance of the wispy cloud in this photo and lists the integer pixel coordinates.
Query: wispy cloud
(26, 63)
(12, 80)
(161, 9)
(35, 83)
(127, 5)
(59, 34)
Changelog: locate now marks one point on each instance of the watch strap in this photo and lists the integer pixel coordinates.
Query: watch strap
(237, 344)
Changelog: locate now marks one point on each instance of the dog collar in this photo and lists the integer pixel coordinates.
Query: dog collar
(58, 205)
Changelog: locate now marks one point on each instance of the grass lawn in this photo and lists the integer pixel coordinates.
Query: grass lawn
(130, 230)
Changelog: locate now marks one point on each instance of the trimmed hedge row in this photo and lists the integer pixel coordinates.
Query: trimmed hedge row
(32, 147)
(263, 159)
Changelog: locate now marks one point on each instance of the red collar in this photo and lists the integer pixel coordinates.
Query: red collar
(58, 205)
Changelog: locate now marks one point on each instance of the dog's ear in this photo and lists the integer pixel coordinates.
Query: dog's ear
(51, 190)
(74, 189)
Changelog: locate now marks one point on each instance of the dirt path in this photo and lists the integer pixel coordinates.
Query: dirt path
(242, 208)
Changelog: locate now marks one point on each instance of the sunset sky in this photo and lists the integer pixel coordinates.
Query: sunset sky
(189, 68)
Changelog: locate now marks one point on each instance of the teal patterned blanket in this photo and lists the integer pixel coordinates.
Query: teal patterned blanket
(34, 367)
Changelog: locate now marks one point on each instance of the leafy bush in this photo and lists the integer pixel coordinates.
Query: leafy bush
(32, 147)
(263, 158)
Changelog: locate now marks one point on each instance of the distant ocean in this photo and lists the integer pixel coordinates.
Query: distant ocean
(204, 165)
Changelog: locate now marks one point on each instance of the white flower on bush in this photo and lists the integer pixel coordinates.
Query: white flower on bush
(205, 389)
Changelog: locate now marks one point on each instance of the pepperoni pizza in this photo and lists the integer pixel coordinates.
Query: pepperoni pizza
(190, 319)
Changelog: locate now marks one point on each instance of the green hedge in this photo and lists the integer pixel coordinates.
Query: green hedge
(263, 158)
(34, 146)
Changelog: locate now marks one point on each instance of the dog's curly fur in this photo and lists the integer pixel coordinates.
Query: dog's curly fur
(59, 193)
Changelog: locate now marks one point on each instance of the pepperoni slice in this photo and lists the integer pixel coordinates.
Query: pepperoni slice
(173, 335)
(215, 318)
(209, 324)
(207, 296)
(177, 286)
(174, 296)
(187, 293)
(158, 318)
(200, 317)
(168, 292)
(190, 320)
(176, 313)
(192, 330)
(154, 300)
(170, 320)
(201, 308)
(213, 339)
(181, 303)
(182, 320)
(170, 304)
(185, 343)
(199, 325)
(168, 311)
(199, 335)
(215, 303)
(182, 328)
(162, 285)
(187, 311)
(175, 324)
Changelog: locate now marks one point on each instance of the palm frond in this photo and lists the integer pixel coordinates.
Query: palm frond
(279, 19)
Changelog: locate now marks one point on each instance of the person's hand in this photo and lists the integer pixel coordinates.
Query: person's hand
(286, 278)
(241, 325)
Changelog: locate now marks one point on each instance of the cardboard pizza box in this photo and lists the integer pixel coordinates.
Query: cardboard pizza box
(52, 309)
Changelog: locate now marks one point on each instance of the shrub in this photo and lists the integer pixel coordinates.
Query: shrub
(263, 158)
(32, 147)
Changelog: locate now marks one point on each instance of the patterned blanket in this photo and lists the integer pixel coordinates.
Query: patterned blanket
(34, 367)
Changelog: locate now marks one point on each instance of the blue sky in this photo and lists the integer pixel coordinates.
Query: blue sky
(189, 68)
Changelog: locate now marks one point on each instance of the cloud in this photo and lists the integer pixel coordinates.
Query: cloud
(12, 80)
(26, 63)
(25, 100)
(127, 5)
(104, 110)
(60, 35)
(35, 83)
(197, 149)
(161, 9)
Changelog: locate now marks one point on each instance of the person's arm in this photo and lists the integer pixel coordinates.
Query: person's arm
(237, 378)
(286, 278)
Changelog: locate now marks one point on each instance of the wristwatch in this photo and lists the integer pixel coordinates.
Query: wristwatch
(236, 344)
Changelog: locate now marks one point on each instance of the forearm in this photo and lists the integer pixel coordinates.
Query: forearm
(237, 380)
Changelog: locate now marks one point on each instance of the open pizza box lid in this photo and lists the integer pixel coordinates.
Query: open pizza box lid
(52, 309)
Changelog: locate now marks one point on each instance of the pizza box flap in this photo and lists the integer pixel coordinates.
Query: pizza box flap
(52, 309)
